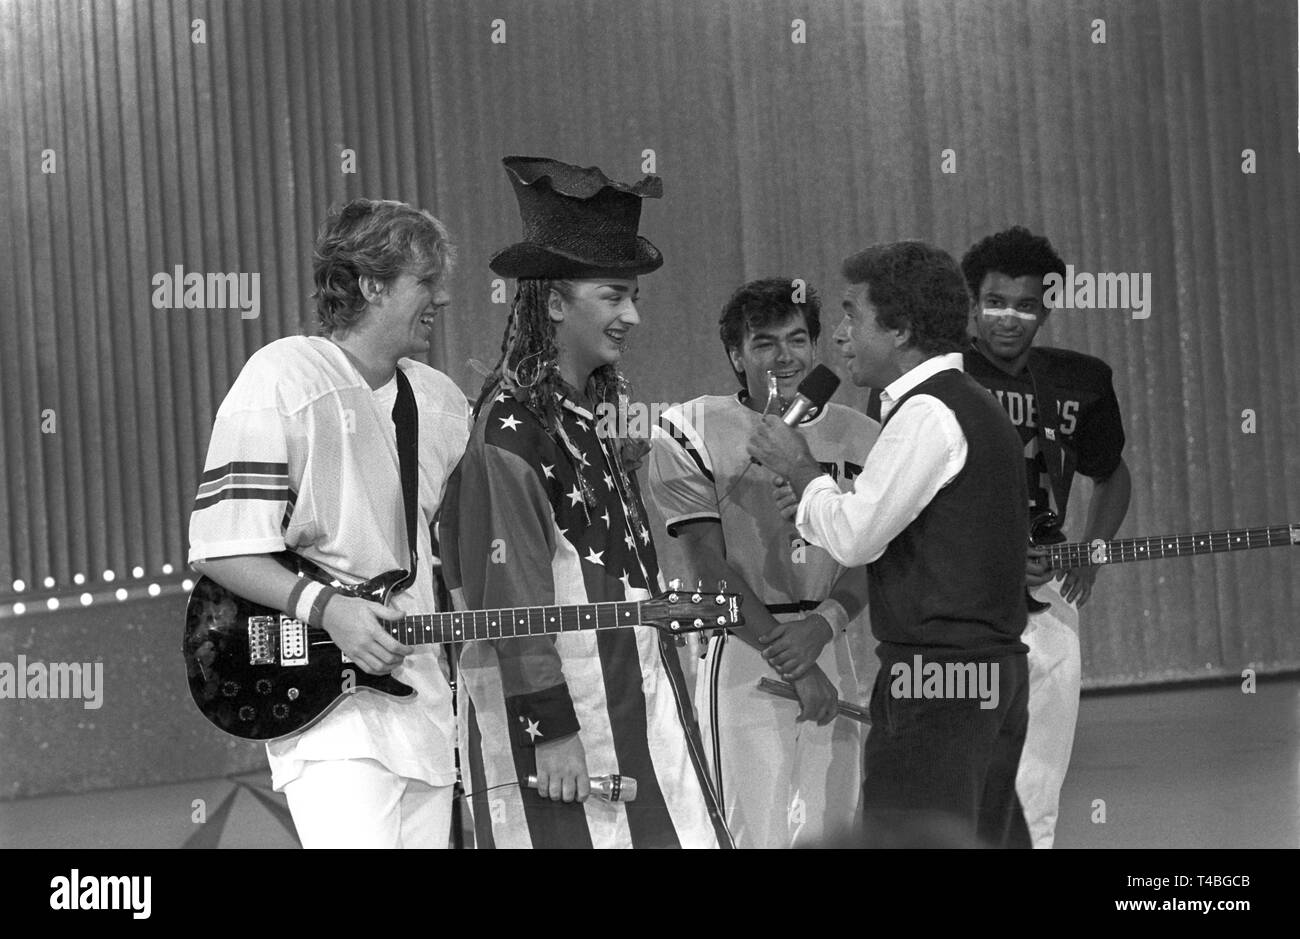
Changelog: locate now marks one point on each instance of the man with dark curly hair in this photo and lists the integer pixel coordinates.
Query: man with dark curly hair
(787, 775)
(305, 456)
(1063, 405)
(938, 517)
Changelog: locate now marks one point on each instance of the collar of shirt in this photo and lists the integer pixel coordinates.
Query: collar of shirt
(910, 379)
(812, 418)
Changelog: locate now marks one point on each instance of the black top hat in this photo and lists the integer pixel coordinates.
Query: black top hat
(577, 222)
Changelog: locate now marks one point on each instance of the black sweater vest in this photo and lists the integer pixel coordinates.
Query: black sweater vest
(953, 581)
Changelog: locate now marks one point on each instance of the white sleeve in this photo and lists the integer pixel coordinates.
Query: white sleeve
(246, 496)
(920, 450)
(681, 479)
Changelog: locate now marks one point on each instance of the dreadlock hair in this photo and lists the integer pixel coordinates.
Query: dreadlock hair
(529, 364)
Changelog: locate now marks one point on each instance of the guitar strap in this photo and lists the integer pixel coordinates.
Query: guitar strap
(1060, 462)
(406, 419)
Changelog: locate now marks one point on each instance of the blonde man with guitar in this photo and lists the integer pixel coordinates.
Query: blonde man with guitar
(337, 448)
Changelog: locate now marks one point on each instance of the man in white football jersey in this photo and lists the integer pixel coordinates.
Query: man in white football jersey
(304, 457)
(787, 773)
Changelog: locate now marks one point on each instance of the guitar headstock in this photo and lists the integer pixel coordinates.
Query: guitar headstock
(681, 610)
(1045, 529)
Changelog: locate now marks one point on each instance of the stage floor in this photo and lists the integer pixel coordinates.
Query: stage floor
(1189, 767)
(1193, 767)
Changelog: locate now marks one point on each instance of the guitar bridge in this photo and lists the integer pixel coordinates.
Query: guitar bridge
(293, 641)
(259, 640)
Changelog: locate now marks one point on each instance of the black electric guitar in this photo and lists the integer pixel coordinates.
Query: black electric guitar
(1045, 532)
(261, 675)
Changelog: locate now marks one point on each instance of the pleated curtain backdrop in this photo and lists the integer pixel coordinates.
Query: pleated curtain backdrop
(212, 136)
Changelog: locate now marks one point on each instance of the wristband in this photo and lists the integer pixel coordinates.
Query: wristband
(317, 615)
(302, 608)
(291, 606)
(835, 615)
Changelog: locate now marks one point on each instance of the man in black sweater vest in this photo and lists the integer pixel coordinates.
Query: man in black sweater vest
(938, 515)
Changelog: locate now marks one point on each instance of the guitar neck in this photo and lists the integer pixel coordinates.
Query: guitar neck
(1123, 550)
(459, 626)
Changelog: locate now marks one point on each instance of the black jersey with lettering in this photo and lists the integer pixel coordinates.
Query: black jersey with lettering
(1091, 429)
(1092, 432)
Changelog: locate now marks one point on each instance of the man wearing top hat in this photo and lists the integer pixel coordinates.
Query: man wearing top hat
(542, 511)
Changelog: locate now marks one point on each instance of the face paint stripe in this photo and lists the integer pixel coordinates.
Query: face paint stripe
(1018, 314)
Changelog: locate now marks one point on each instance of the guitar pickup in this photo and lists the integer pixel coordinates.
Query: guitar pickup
(259, 640)
(293, 641)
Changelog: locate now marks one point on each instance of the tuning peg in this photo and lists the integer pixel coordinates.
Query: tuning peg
(675, 584)
(722, 586)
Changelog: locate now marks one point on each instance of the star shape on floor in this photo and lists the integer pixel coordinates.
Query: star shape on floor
(510, 422)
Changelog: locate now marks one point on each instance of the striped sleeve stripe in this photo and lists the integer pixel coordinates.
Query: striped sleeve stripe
(246, 480)
(671, 525)
(260, 469)
(277, 494)
(683, 441)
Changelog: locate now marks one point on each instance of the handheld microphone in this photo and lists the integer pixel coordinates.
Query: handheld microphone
(813, 393)
(612, 788)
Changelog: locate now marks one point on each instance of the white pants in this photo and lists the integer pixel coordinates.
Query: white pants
(782, 784)
(361, 804)
(1055, 675)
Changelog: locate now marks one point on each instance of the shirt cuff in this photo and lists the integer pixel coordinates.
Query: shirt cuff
(541, 716)
(821, 484)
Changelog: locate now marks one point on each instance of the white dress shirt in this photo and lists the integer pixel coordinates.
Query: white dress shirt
(919, 451)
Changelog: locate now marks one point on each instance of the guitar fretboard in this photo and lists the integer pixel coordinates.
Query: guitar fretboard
(1085, 554)
(458, 626)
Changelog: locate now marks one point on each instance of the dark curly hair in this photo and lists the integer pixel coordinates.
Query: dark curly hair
(372, 238)
(1015, 252)
(761, 303)
(916, 285)
(529, 364)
